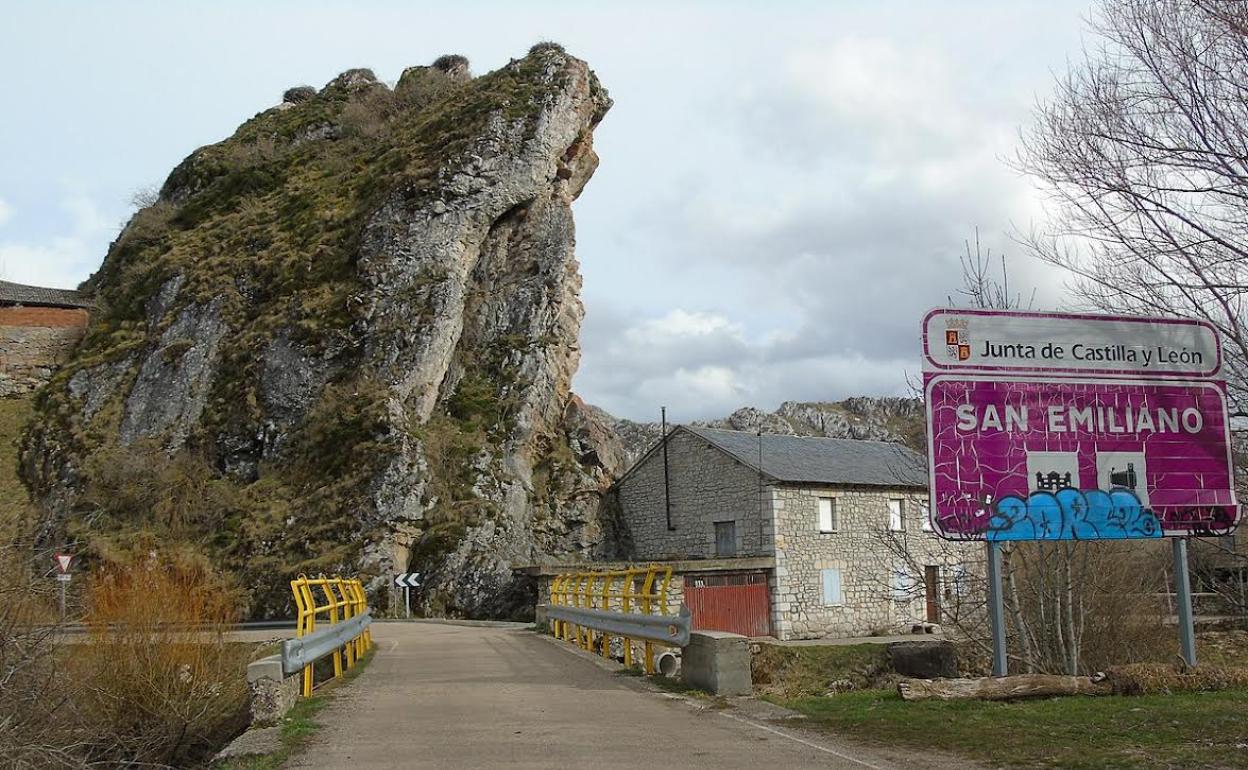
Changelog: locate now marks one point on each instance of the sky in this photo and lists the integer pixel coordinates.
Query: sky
(785, 187)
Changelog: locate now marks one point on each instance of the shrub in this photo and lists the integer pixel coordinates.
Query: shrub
(546, 45)
(159, 681)
(450, 61)
(36, 730)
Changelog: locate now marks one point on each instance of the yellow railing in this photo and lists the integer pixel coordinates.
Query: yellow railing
(343, 599)
(640, 590)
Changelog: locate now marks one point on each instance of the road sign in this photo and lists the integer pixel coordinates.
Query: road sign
(64, 577)
(408, 580)
(63, 560)
(1075, 427)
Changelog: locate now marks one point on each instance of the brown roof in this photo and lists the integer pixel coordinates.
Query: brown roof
(21, 294)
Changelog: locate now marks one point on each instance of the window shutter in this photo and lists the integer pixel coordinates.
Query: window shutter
(827, 514)
(896, 522)
(831, 587)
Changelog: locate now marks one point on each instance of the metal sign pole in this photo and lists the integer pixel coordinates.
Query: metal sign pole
(62, 582)
(1183, 590)
(996, 609)
(407, 600)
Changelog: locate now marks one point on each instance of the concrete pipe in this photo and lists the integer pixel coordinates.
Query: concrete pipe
(668, 664)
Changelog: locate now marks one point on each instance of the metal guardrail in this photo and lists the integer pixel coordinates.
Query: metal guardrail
(346, 612)
(589, 609)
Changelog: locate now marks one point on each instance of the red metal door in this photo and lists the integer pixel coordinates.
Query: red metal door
(738, 602)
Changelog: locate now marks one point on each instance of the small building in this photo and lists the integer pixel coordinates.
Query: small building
(835, 531)
(39, 328)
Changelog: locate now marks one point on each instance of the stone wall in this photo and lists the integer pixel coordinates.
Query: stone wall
(707, 486)
(34, 341)
(867, 554)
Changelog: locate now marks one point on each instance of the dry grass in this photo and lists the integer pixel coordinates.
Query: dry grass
(1163, 678)
(154, 683)
(799, 671)
(14, 502)
(157, 672)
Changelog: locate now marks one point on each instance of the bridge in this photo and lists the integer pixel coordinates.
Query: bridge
(438, 695)
(482, 694)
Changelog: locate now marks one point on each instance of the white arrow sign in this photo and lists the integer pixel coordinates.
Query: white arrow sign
(408, 580)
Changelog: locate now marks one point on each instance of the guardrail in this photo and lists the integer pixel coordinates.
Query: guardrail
(591, 608)
(347, 630)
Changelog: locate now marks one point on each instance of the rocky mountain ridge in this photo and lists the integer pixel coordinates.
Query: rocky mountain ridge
(872, 418)
(342, 340)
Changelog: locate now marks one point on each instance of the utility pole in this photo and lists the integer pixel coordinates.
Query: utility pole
(667, 494)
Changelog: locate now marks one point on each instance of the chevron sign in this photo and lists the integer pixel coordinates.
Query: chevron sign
(408, 580)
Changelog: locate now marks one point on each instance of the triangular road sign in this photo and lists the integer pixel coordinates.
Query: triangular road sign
(63, 560)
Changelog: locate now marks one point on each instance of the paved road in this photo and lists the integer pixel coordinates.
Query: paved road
(444, 696)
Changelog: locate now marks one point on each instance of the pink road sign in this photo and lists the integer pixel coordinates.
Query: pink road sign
(1130, 441)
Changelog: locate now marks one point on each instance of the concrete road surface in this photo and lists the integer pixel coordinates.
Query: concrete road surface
(446, 696)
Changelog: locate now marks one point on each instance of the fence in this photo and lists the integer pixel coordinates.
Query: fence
(347, 621)
(590, 609)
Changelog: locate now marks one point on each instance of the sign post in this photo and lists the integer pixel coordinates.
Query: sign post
(1063, 426)
(63, 576)
(996, 609)
(407, 581)
(1183, 590)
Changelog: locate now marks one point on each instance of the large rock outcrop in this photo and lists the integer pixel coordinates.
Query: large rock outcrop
(343, 340)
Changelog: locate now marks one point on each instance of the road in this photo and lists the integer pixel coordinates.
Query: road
(447, 696)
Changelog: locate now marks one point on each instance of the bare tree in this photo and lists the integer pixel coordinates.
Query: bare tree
(1143, 149)
(1143, 152)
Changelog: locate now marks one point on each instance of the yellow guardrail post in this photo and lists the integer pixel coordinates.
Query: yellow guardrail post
(626, 601)
(647, 605)
(349, 610)
(344, 599)
(607, 579)
(332, 607)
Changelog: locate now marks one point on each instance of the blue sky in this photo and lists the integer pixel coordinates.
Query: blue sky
(785, 187)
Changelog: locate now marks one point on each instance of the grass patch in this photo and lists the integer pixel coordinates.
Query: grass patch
(297, 729)
(1190, 730)
(799, 671)
(300, 724)
(14, 502)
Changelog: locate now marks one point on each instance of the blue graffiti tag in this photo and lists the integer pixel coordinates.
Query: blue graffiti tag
(1073, 514)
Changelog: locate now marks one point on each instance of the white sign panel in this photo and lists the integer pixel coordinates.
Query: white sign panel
(987, 340)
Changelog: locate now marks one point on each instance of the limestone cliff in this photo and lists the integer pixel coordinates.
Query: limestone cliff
(343, 340)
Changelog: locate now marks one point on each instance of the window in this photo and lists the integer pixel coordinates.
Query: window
(901, 585)
(831, 587)
(925, 517)
(827, 514)
(896, 521)
(960, 580)
(725, 538)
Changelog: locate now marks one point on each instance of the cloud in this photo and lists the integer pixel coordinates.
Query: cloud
(820, 213)
(61, 260)
(702, 365)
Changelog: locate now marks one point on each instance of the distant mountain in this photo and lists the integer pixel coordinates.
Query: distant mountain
(862, 417)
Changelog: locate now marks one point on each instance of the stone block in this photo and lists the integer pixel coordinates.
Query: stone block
(925, 659)
(272, 695)
(717, 662)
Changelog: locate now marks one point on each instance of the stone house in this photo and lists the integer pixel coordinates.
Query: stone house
(800, 537)
(39, 328)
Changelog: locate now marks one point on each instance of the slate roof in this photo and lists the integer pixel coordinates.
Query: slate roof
(21, 294)
(815, 460)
